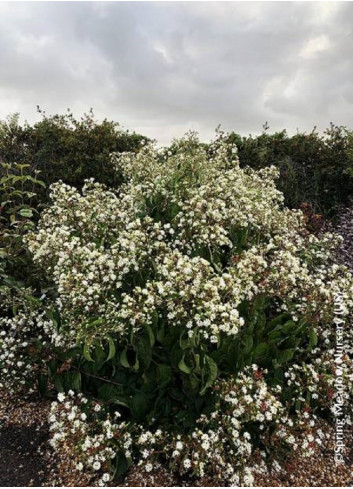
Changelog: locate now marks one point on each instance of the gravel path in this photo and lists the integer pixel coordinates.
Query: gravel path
(20, 463)
(23, 434)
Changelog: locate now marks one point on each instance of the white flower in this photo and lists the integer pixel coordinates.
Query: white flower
(205, 445)
(61, 397)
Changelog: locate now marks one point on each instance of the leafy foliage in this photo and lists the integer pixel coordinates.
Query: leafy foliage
(314, 169)
(62, 147)
(17, 189)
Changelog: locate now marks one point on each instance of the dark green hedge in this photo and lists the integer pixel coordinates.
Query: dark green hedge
(64, 148)
(314, 169)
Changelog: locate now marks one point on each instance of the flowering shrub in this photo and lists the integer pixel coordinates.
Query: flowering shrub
(24, 348)
(225, 446)
(168, 292)
(22, 321)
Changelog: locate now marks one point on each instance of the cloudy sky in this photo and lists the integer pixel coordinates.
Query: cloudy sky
(162, 68)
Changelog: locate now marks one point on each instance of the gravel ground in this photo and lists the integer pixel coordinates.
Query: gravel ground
(23, 432)
(20, 463)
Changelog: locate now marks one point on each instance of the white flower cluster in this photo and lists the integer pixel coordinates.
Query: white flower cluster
(23, 341)
(190, 234)
(223, 447)
(86, 432)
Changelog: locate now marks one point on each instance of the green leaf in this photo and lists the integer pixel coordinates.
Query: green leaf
(259, 302)
(260, 350)
(183, 367)
(212, 372)
(139, 405)
(261, 321)
(155, 319)
(194, 382)
(57, 381)
(107, 392)
(72, 380)
(197, 359)
(275, 335)
(42, 384)
(161, 332)
(150, 334)
(136, 365)
(143, 353)
(289, 326)
(248, 343)
(26, 213)
(52, 366)
(100, 355)
(278, 320)
(33, 299)
(184, 341)
(86, 352)
(312, 339)
(285, 355)
(54, 316)
(123, 359)
(112, 349)
(34, 180)
(164, 373)
(96, 322)
(121, 401)
(122, 465)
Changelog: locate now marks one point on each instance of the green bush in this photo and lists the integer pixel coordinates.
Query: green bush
(314, 169)
(17, 190)
(62, 147)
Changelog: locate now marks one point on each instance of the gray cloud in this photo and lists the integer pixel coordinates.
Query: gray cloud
(162, 68)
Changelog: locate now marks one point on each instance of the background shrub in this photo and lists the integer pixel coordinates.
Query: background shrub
(18, 189)
(62, 147)
(314, 169)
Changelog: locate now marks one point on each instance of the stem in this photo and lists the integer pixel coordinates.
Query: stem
(97, 377)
